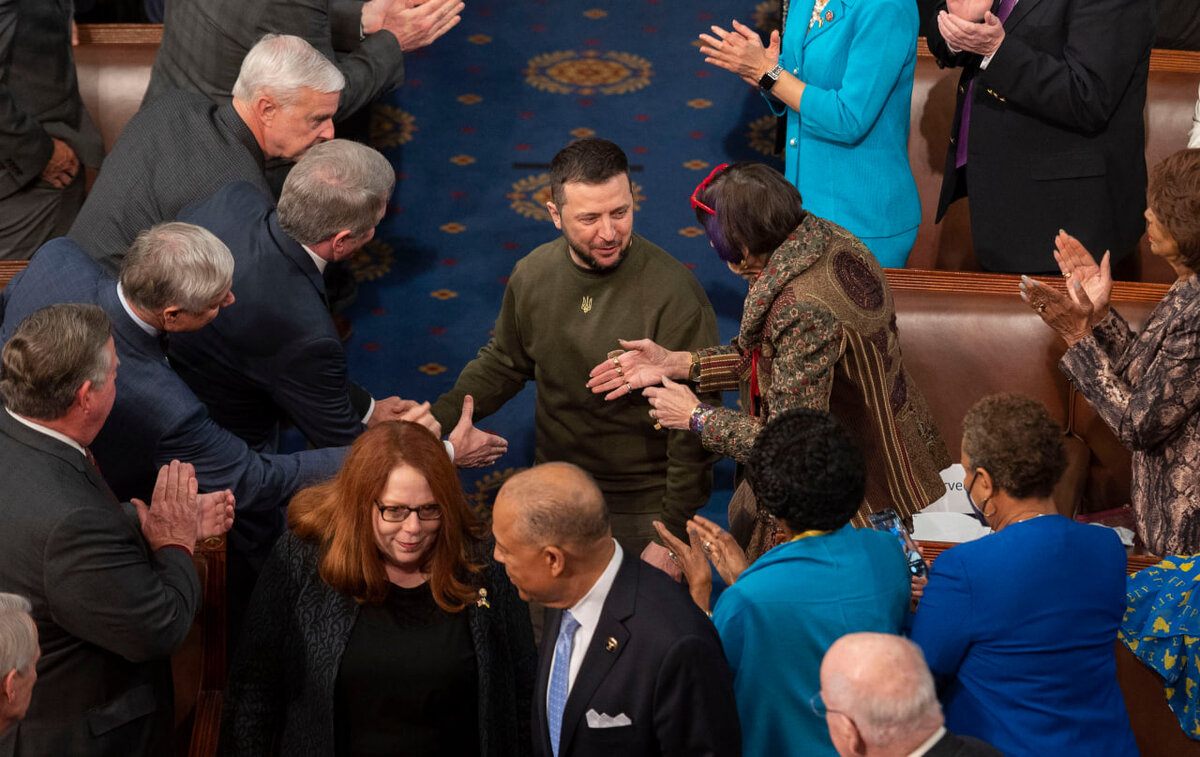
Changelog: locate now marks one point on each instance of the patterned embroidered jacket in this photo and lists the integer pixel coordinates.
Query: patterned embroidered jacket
(822, 318)
(1146, 387)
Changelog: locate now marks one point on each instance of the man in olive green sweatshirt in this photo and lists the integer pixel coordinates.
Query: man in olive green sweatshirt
(566, 306)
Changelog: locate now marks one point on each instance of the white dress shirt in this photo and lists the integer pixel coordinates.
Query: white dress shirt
(48, 432)
(929, 742)
(587, 611)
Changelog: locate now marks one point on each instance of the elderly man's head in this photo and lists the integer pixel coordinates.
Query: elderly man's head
(287, 93)
(552, 533)
(878, 696)
(19, 654)
(60, 367)
(177, 276)
(335, 197)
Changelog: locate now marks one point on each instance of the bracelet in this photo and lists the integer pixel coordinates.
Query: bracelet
(700, 414)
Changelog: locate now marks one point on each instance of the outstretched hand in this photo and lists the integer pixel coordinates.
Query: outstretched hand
(474, 447)
(643, 363)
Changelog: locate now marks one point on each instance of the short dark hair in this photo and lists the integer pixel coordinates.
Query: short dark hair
(590, 160)
(806, 470)
(1016, 441)
(52, 352)
(1173, 193)
(756, 209)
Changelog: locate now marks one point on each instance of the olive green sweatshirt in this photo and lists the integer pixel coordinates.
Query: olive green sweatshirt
(557, 322)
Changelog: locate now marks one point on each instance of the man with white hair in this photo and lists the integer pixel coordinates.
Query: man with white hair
(183, 147)
(19, 653)
(878, 699)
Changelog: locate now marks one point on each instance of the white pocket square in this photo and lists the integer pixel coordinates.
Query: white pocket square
(600, 720)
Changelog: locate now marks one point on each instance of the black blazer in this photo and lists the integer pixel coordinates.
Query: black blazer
(950, 745)
(654, 658)
(1056, 132)
(279, 699)
(274, 353)
(109, 611)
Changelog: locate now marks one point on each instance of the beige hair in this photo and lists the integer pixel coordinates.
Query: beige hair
(176, 264)
(280, 66)
(50, 355)
(338, 185)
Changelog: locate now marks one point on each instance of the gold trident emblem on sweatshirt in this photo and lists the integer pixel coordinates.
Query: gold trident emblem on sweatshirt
(586, 304)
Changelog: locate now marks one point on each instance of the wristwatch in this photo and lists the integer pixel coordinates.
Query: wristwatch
(767, 80)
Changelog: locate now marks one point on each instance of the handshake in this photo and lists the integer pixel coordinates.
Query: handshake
(473, 447)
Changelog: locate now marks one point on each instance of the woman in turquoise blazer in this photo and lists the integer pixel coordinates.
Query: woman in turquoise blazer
(845, 73)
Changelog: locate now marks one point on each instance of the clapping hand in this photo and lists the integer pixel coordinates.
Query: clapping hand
(971, 36)
(215, 512)
(969, 10)
(720, 546)
(1078, 265)
(1071, 316)
(690, 558)
(740, 51)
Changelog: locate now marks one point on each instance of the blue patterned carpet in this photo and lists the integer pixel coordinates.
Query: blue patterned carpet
(471, 134)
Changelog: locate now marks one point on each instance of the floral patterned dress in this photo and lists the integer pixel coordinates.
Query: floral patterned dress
(1146, 387)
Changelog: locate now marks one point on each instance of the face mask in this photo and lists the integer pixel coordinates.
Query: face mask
(975, 511)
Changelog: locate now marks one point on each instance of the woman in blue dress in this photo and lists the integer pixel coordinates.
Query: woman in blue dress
(844, 77)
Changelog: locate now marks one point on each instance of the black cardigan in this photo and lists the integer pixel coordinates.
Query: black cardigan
(279, 699)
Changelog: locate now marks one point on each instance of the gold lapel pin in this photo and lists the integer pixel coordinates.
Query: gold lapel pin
(482, 601)
(611, 644)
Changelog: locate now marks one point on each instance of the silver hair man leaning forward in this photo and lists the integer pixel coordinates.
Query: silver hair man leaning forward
(878, 699)
(19, 653)
(181, 147)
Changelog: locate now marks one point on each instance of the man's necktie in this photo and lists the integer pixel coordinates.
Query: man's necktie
(559, 674)
(960, 155)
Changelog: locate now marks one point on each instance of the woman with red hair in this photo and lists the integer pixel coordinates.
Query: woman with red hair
(380, 625)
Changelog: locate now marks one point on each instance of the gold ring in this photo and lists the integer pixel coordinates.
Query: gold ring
(708, 546)
(1040, 307)
(657, 426)
(1067, 275)
(629, 387)
(616, 364)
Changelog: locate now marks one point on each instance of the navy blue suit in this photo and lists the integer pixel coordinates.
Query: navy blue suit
(156, 418)
(274, 353)
(654, 658)
(1020, 625)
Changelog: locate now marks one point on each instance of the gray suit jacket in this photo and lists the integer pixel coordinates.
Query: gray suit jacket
(39, 95)
(179, 149)
(109, 611)
(204, 42)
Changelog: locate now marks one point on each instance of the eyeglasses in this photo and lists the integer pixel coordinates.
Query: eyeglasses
(696, 204)
(818, 706)
(400, 513)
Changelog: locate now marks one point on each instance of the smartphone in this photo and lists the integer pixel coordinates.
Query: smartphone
(888, 520)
